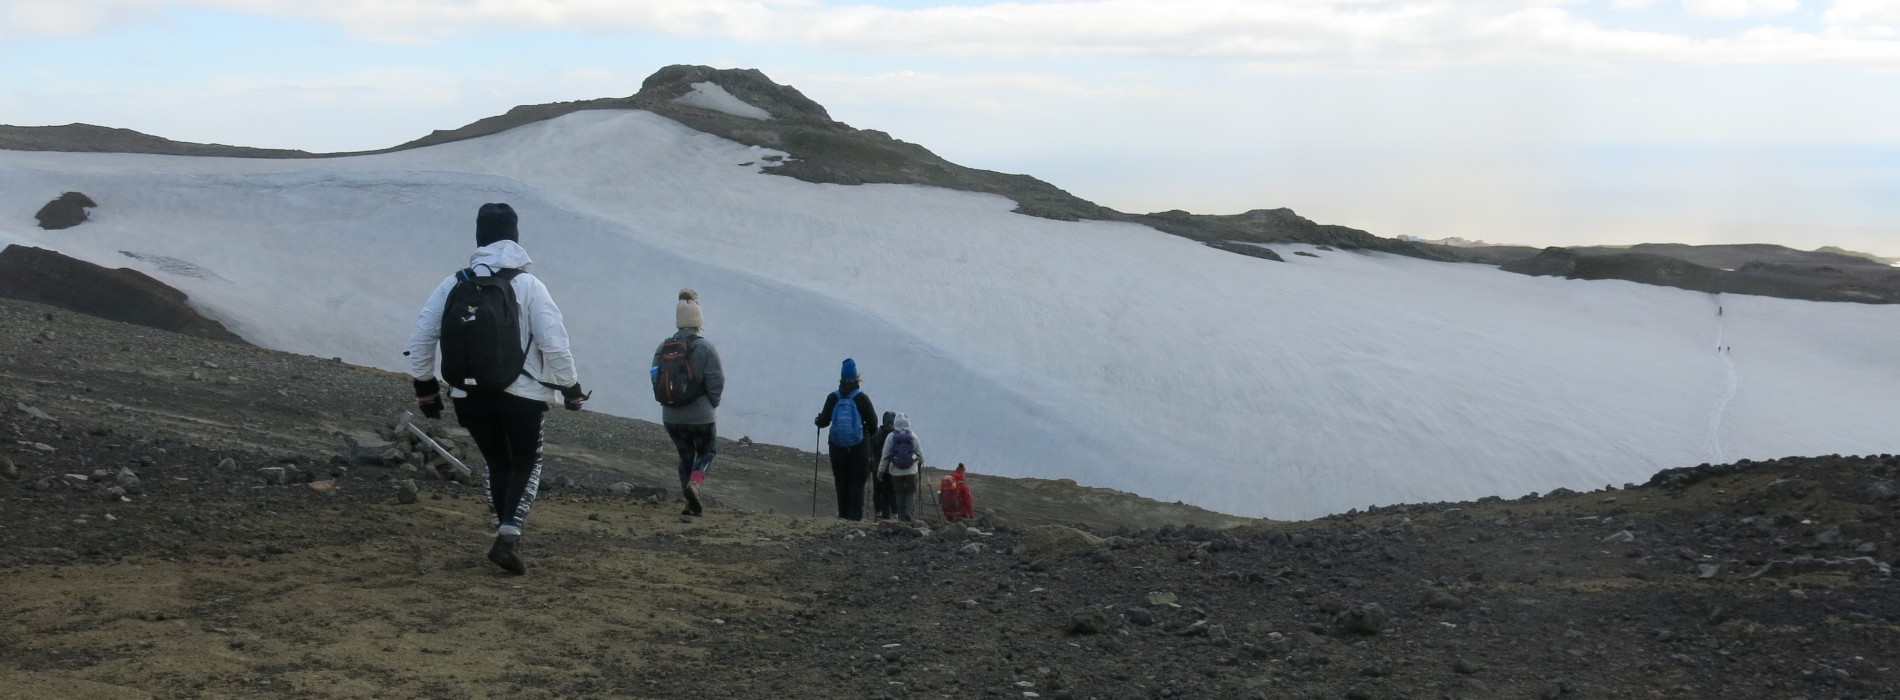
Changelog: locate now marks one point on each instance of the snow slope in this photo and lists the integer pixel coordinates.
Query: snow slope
(1107, 353)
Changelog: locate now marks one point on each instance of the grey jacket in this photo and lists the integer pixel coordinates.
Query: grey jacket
(705, 361)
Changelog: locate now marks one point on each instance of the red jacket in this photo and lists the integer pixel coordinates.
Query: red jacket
(954, 494)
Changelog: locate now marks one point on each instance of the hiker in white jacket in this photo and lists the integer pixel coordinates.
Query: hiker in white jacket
(902, 460)
(505, 424)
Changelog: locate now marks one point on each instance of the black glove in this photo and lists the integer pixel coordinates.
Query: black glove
(819, 421)
(428, 396)
(572, 397)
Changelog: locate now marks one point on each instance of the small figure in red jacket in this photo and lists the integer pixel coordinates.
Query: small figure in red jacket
(954, 494)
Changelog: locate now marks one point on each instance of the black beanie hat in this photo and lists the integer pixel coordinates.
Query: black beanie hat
(496, 222)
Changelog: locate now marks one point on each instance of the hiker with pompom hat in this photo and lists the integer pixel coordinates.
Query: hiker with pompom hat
(852, 420)
(505, 356)
(688, 381)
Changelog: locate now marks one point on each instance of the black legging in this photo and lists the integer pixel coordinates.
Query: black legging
(849, 466)
(883, 497)
(696, 447)
(508, 432)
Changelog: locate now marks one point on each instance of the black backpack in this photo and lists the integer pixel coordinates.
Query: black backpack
(481, 333)
(675, 382)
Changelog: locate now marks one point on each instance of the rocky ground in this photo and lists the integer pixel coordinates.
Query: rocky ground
(184, 520)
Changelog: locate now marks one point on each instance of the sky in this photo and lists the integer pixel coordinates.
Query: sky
(1540, 122)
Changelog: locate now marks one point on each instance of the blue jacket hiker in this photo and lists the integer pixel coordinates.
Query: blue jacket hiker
(853, 421)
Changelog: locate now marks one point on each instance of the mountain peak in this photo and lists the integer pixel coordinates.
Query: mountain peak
(750, 86)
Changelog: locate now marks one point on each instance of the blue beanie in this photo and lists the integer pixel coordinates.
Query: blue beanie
(496, 222)
(850, 370)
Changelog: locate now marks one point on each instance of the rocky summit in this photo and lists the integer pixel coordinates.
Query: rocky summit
(189, 518)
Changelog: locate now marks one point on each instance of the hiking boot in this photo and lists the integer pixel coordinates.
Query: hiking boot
(692, 499)
(506, 554)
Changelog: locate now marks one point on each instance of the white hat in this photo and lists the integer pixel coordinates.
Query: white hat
(687, 315)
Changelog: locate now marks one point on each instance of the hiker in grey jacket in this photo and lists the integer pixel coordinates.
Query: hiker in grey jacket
(692, 426)
(902, 461)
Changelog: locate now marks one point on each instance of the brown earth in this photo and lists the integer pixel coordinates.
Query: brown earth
(1755, 580)
(49, 277)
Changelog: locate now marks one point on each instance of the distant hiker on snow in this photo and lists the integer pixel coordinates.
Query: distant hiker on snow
(504, 356)
(882, 504)
(901, 461)
(687, 381)
(954, 495)
(852, 420)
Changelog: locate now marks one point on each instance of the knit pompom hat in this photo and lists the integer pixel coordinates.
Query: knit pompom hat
(849, 372)
(687, 314)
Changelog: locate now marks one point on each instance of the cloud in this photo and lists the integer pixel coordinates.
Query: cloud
(1276, 35)
(1631, 4)
(67, 19)
(1731, 9)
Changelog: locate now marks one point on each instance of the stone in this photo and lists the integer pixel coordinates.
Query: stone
(1044, 540)
(7, 468)
(1464, 667)
(1831, 536)
(1708, 570)
(406, 491)
(1139, 617)
(325, 486)
(1089, 622)
(972, 549)
(1623, 536)
(621, 488)
(273, 475)
(1366, 619)
(1442, 600)
(34, 412)
(43, 447)
(116, 494)
(1198, 629)
(128, 479)
(954, 532)
(227, 463)
(1161, 598)
(893, 527)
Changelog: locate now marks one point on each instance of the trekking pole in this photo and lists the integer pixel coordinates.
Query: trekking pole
(461, 469)
(814, 471)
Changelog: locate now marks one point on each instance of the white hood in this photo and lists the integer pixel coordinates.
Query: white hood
(501, 255)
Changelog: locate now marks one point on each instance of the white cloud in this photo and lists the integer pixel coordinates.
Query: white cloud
(1730, 9)
(1631, 4)
(1276, 35)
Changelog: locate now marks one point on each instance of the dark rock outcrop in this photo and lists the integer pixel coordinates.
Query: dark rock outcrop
(1849, 281)
(47, 277)
(65, 211)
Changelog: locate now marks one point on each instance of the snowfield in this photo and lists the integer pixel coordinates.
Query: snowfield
(1108, 353)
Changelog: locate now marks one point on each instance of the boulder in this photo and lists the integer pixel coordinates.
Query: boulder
(1087, 622)
(65, 211)
(406, 491)
(1365, 619)
(273, 475)
(1056, 539)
